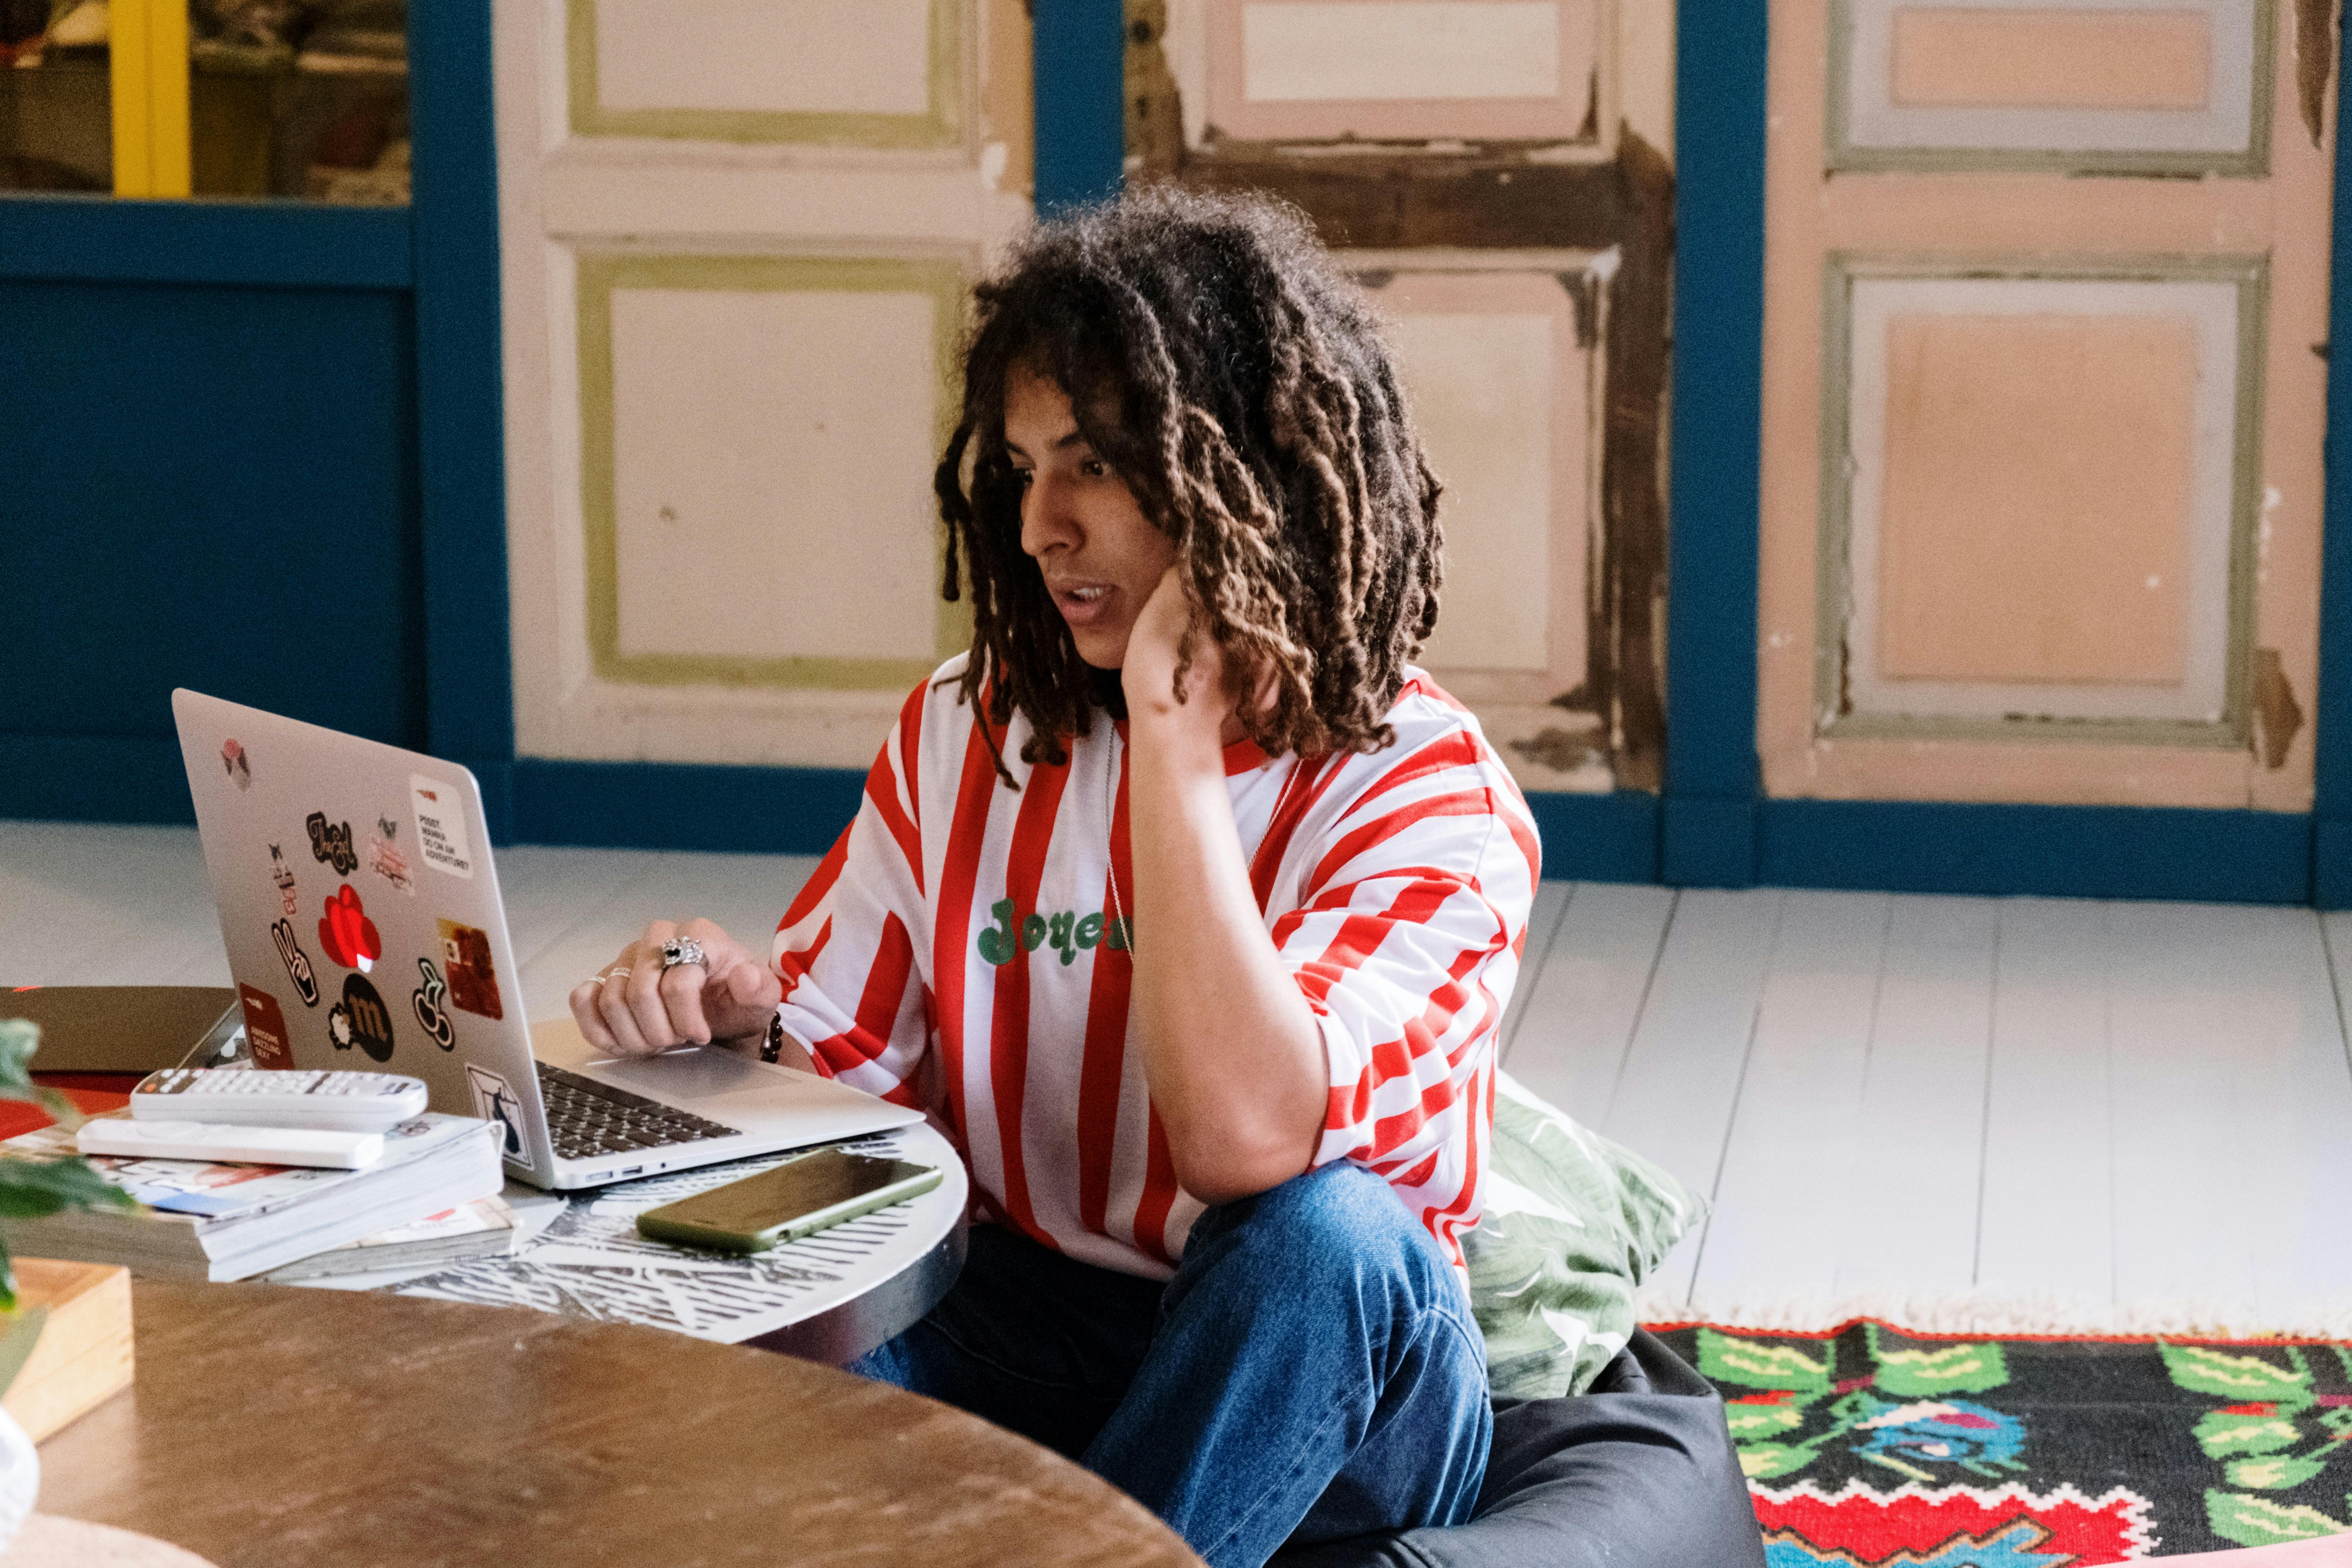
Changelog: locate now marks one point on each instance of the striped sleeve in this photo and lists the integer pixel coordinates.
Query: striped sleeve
(1406, 945)
(852, 948)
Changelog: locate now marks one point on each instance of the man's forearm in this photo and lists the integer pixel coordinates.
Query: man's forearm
(1231, 1049)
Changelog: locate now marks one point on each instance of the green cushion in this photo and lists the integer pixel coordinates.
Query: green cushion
(1572, 1225)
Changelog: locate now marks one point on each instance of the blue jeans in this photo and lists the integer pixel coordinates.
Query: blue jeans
(1311, 1373)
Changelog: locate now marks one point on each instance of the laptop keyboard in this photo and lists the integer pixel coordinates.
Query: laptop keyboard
(586, 1119)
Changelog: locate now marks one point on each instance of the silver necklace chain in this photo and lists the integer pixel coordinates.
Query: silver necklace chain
(1110, 824)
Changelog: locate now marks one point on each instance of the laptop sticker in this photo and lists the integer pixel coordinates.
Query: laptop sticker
(296, 962)
(265, 1028)
(232, 759)
(282, 876)
(347, 933)
(384, 858)
(473, 983)
(426, 1000)
(361, 1019)
(495, 1102)
(331, 842)
(440, 812)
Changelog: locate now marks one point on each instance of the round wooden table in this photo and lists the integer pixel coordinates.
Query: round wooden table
(274, 1426)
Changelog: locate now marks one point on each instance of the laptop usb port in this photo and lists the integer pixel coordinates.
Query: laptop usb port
(634, 1171)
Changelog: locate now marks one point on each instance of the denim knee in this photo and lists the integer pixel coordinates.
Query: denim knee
(1338, 1228)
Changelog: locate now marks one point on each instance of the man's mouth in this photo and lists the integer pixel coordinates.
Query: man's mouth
(1081, 603)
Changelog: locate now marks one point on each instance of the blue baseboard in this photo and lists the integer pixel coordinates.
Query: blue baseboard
(1597, 838)
(1708, 843)
(2061, 851)
(676, 805)
(2331, 863)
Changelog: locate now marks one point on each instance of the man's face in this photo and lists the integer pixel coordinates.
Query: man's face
(1101, 558)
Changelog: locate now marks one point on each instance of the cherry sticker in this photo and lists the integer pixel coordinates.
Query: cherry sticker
(232, 759)
(361, 1019)
(347, 933)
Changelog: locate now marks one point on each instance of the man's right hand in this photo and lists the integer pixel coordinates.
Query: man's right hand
(636, 1007)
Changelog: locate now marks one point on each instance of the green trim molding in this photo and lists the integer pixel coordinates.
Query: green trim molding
(2252, 160)
(940, 125)
(600, 276)
(1833, 563)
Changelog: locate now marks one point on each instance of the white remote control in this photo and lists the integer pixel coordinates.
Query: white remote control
(153, 1140)
(249, 1097)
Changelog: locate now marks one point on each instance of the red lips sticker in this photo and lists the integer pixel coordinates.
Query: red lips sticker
(346, 933)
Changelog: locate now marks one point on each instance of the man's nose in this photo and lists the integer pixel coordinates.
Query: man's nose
(1046, 519)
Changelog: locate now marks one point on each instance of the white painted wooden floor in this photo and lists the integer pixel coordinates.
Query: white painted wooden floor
(2120, 1104)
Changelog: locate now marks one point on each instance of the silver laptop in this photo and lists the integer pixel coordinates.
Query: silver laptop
(361, 916)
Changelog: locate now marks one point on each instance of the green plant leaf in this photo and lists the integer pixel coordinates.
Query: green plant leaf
(1752, 1421)
(1727, 1358)
(1764, 1461)
(18, 1333)
(2258, 1522)
(2202, 1369)
(2274, 1472)
(19, 1038)
(2338, 1420)
(2221, 1434)
(1921, 1373)
(31, 1188)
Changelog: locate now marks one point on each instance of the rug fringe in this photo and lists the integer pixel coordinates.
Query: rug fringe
(1991, 1312)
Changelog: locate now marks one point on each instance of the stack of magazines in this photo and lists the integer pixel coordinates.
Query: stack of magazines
(204, 1220)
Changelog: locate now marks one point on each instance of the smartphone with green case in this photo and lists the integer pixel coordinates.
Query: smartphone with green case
(787, 1201)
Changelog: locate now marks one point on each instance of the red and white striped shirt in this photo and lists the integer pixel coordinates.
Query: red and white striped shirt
(958, 951)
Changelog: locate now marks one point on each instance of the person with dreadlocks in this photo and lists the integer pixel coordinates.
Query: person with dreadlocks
(1182, 903)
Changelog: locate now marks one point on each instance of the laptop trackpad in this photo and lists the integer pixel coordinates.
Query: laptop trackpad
(694, 1075)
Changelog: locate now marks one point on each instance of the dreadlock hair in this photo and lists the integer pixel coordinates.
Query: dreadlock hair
(1217, 361)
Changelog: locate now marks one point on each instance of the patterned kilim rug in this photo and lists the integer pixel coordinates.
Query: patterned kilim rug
(1868, 1446)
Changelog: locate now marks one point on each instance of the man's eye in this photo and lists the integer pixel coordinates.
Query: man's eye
(1093, 467)
(1021, 477)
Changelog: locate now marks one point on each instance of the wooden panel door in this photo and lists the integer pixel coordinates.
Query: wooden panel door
(2045, 320)
(1492, 170)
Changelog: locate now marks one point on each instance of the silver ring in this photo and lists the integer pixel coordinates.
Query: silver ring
(623, 974)
(681, 950)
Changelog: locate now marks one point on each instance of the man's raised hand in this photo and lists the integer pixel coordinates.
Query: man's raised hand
(636, 1008)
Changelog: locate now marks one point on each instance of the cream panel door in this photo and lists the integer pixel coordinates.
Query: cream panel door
(736, 239)
(1504, 382)
(2041, 433)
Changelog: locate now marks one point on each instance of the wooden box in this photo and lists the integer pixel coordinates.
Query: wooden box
(83, 1356)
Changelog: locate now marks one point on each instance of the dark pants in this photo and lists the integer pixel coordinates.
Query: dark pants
(1311, 1373)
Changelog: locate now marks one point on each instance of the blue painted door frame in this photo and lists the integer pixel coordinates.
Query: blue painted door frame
(1712, 825)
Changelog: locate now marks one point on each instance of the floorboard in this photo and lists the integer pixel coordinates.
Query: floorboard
(1910, 1219)
(1794, 1154)
(2187, 1018)
(2047, 1218)
(1674, 1100)
(1579, 1010)
(1543, 924)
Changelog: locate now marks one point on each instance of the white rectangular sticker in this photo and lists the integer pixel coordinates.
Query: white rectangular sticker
(441, 826)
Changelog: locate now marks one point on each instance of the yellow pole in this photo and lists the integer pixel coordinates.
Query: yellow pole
(128, 65)
(148, 68)
(167, 96)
